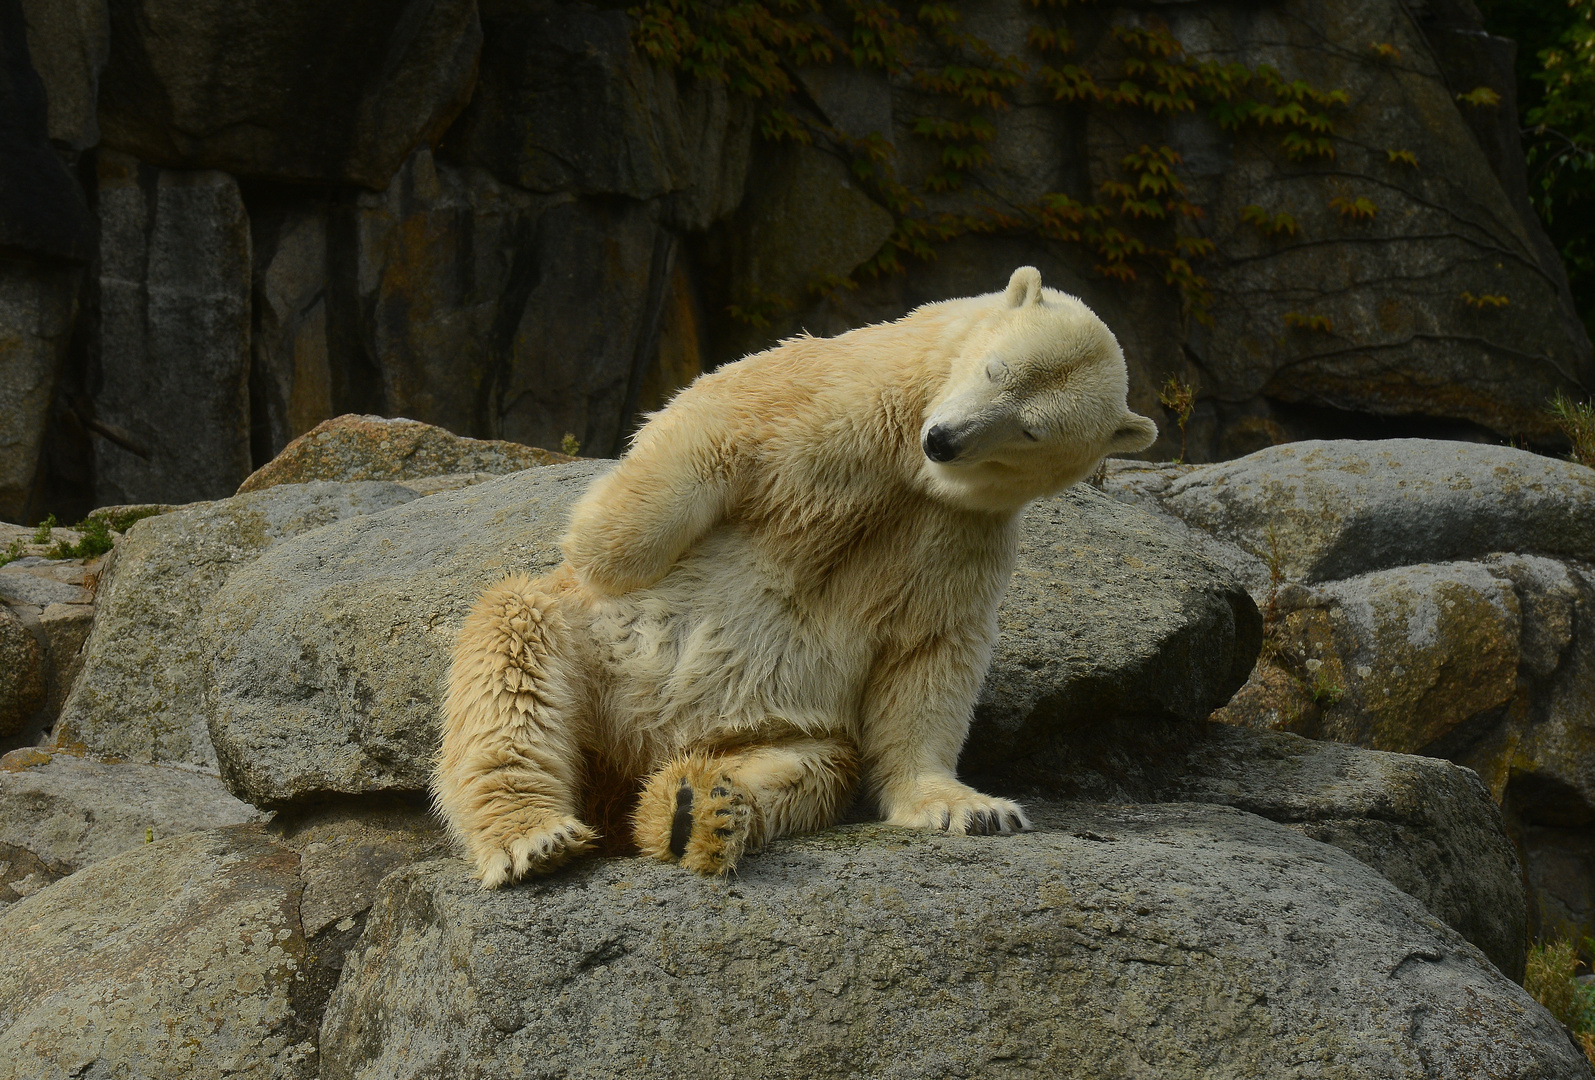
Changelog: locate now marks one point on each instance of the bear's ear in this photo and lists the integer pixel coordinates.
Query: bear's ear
(1135, 432)
(1024, 288)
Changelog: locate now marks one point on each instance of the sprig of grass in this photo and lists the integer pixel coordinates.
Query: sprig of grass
(1549, 978)
(1577, 421)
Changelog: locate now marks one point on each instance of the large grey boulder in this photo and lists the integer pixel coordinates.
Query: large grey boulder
(1177, 941)
(1331, 510)
(1109, 613)
(323, 663)
(171, 405)
(179, 959)
(298, 91)
(328, 654)
(139, 694)
(209, 954)
(67, 812)
(1428, 597)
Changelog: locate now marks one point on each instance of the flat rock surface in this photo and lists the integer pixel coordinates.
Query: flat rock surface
(139, 695)
(330, 651)
(70, 811)
(179, 959)
(355, 447)
(1169, 941)
(1428, 826)
(1334, 509)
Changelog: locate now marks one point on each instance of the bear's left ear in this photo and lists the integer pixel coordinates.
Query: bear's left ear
(1024, 288)
(1135, 432)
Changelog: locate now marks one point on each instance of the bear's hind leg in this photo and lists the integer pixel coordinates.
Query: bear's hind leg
(508, 778)
(708, 808)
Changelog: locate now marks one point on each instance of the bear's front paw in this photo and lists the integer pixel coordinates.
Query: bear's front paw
(958, 810)
(538, 845)
(695, 813)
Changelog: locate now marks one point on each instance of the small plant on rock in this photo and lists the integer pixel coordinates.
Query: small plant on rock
(1180, 399)
(41, 535)
(1577, 421)
(95, 541)
(1550, 978)
(569, 445)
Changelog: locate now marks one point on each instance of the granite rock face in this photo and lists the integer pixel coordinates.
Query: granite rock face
(205, 954)
(69, 42)
(1109, 613)
(1429, 827)
(139, 695)
(52, 599)
(329, 652)
(1190, 941)
(22, 685)
(38, 305)
(171, 406)
(349, 448)
(297, 91)
(520, 219)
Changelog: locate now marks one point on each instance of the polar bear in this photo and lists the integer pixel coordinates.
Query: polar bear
(790, 581)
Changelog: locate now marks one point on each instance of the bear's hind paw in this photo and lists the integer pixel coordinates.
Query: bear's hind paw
(699, 816)
(536, 851)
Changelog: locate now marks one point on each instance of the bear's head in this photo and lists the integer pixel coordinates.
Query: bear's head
(1034, 399)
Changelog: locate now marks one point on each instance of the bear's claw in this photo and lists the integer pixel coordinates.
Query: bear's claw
(540, 849)
(959, 811)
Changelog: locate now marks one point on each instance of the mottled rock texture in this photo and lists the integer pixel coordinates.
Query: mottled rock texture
(178, 959)
(208, 954)
(140, 694)
(1331, 510)
(371, 448)
(328, 653)
(68, 812)
(53, 600)
(1180, 941)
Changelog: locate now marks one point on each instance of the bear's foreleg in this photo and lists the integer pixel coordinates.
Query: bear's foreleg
(916, 714)
(508, 777)
(707, 809)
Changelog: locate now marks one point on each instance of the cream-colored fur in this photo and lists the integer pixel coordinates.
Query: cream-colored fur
(777, 588)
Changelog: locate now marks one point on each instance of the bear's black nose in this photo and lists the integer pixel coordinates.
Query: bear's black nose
(940, 444)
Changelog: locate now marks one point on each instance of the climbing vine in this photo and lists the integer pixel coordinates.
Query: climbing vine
(1140, 219)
